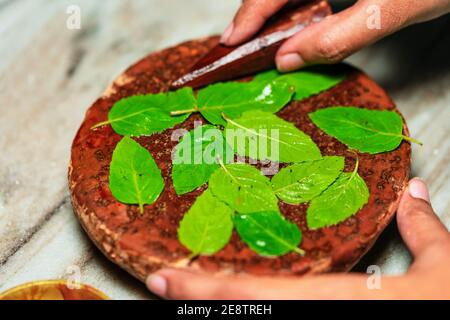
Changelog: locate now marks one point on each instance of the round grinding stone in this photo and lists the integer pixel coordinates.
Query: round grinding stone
(142, 244)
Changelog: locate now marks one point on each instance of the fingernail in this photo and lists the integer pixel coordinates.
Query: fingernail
(289, 62)
(157, 284)
(418, 189)
(227, 33)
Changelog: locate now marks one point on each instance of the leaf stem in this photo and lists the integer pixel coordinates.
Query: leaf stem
(226, 170)
(355, 171)
(299, 251)
(141, 208)
(193, 255)
(100, 124)
(224, 116)
(181, 112)
(219, 159)
(412, 140)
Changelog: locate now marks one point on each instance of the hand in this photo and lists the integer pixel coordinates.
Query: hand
(428, 277)
(337, 36)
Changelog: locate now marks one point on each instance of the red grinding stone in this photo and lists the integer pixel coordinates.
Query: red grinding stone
(141, 244)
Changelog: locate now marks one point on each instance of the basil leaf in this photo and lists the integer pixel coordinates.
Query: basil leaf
(233, 98)
(302, 182)
(263, 136)
(370, 131)
(341, 200)
(196, 157)
(206, 228)
(306, 82)
(268, 233)
(134, 177)
(243, 188)
(148, 114)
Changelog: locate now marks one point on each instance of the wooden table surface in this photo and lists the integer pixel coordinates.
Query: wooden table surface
(49, 76)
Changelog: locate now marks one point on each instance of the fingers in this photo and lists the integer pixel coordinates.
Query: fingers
(249, 19)
(185, 285)
(421, 229)
(340, 35)
(179, 284)
(337, 36)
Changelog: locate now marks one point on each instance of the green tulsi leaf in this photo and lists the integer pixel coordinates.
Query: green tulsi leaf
(134, 177)
(306, 82)
(302, 182)
(268, 233)
(233, 98)
(263, 136)
(206, 228)
(243, 188)
(370, 131)
(197, 156)
(347, 195)
(148, 114)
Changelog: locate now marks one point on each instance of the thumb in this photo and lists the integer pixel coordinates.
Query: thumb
(340, 35)
(420, 228)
